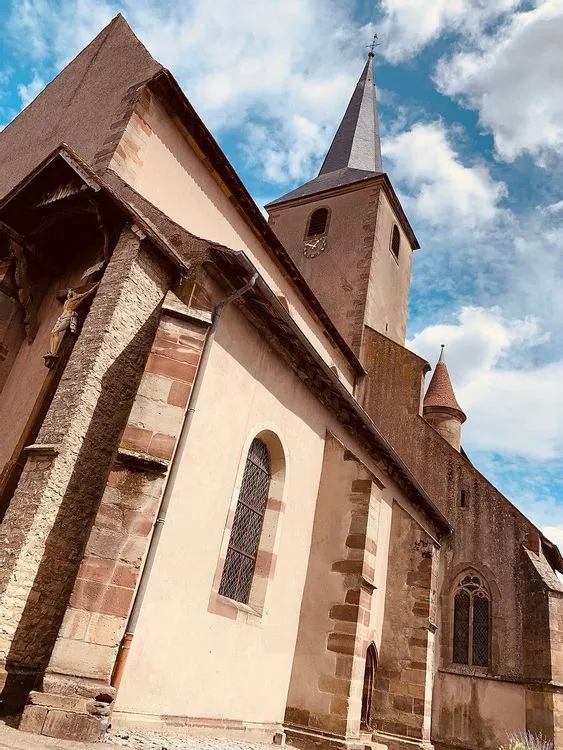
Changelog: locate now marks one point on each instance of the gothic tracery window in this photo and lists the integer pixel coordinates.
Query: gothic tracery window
(238, 571)
(472, 612)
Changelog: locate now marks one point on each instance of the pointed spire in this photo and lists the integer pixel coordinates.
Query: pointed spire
(356, 144)
(440, 393)
(355, 152)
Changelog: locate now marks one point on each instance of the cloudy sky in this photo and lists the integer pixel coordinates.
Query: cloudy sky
(471, 106)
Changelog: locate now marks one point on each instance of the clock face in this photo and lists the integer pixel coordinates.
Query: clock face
(314, 246)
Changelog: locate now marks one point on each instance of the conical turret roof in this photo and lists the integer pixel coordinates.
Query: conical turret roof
(355, 152)
(440, 393)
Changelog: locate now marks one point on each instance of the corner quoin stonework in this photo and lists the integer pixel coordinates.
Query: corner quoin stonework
(325, 694)
(77, 696)
(403, 684)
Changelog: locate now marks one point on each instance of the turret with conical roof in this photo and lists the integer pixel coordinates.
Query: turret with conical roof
(440, 408)
(346, 230)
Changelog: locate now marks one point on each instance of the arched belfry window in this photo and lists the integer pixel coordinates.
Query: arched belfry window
(317, 222)
(395, 241)
(236, 580)
(472, 615)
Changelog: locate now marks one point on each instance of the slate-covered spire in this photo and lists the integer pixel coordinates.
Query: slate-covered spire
(355, 152)
(440, 408)
(356, 144)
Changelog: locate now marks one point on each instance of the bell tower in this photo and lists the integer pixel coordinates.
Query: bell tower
(346, 230)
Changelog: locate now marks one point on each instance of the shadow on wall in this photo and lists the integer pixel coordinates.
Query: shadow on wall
(39, 625)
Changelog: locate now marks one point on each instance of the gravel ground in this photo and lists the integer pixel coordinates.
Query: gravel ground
(134, 741)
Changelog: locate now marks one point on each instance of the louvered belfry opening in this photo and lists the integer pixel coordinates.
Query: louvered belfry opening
(317, 222)
(395, 241)
(240, 561)
(471, 636)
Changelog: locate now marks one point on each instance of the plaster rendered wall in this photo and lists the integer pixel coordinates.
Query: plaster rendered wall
(475, 712)
(339, 276)
(445, 425)
(389, 279)
(226, 663)
(156, 159)
(246, 664)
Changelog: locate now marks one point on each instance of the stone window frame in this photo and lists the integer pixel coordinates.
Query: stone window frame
(269, 538)
(308, 236)
(395, 233)
(473, 587)
(496, 622)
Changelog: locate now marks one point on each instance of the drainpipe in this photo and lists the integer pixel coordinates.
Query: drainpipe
(161, 516)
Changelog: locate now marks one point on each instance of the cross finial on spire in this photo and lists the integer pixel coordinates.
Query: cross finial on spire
(373, 45)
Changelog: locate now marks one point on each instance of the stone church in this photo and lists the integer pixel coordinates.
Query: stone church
(230, 505)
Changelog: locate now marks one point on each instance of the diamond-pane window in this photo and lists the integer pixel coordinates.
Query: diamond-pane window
(317, 222)
(462, 603)
(480, 630)
(471, 636)
(240, 561)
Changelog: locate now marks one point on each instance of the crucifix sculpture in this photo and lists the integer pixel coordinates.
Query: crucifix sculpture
(68, 319)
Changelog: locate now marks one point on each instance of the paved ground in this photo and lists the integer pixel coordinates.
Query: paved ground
(160, 742)
(11, 739)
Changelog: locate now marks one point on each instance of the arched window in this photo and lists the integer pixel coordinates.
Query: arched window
(236, 580)
(317, 222)
(472, 613)
(368, 688)
(395, 241)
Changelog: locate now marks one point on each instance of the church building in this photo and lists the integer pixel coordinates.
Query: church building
(230, 505)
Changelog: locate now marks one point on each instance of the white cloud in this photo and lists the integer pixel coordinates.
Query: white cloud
(409, 25)
(513, 78)
(283, 70)
(554, 208)
(555, 534)
(440, 189)
(511, 408)
(28, 92)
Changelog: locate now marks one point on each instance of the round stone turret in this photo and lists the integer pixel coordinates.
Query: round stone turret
(440, 407)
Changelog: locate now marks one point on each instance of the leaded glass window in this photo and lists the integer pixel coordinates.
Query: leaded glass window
(471, 633)
(240, 561)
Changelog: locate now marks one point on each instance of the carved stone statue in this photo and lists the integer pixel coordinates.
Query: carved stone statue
(21, 277)
(68, 319)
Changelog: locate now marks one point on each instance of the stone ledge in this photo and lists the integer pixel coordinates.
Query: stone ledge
(175, 308)
(139, 461)
(44, 449)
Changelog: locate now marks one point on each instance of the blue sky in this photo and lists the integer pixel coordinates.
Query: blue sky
(472, 121)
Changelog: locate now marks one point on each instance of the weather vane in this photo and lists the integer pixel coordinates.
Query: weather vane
(373, 45)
